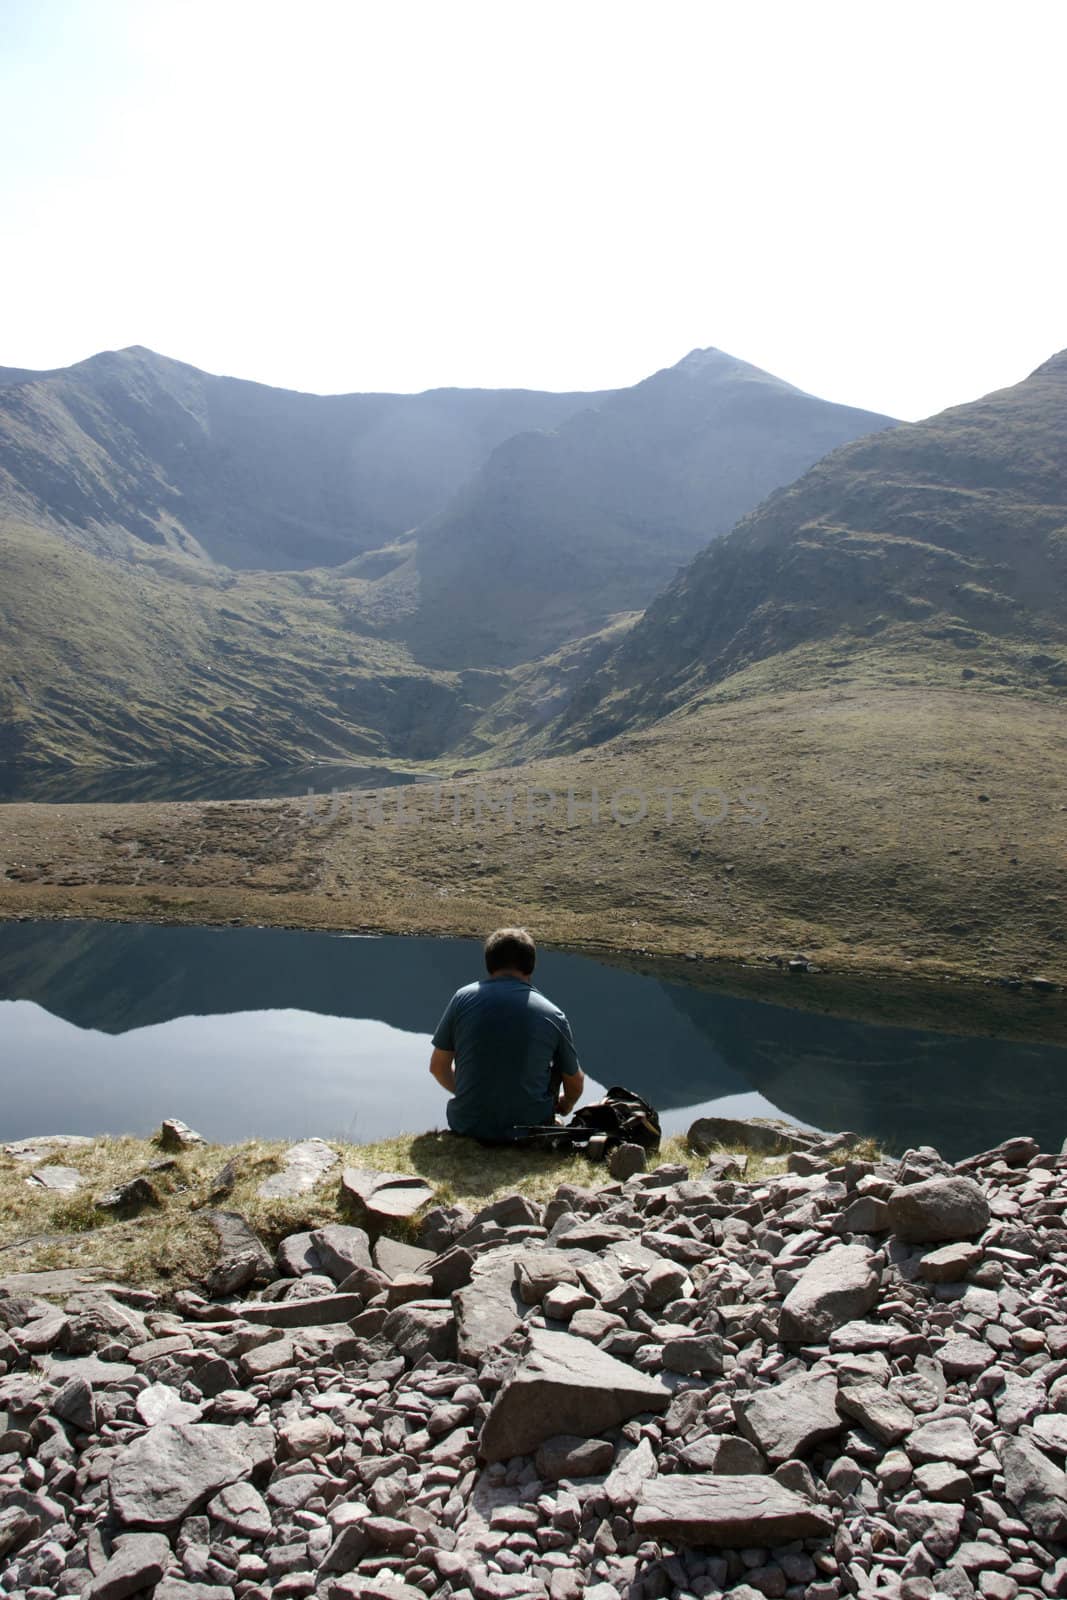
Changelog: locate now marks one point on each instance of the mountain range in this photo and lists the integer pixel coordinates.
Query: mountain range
(199, 568)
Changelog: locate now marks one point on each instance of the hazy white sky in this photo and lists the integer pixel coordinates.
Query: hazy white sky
(867, 198)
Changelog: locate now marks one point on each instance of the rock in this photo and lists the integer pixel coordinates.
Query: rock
(950, 1263)
(625, 1160)
(838, 1287)
(138, 1562)
(61, 1180)
(17, 1527)
(707, 1133)
(866, 1214)
(341, 1250)
(488, 1309)
(392, 1257)
(297, 1257)
(568, 1456)
(74, 1403)
(565, 1385)
(177, 1135)
(173, 1469)
(304, 1166)
(243, 1257)
(935, 1523)
(939, 1480)
(160, 1403)
(42, 1146)
(1050, 1432)
(730, 1513)
(883, 1415)
(1036, 1487)
(241, 1509)
(962, 1357)
(722, 1453)
(129, 1197)
(786, 1420)
(945, 1439)
(381, 1197)
(698, 1352)
(420, 1328)
(939, 1208)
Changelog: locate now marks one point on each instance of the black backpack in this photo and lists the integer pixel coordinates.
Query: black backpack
(622, 1117)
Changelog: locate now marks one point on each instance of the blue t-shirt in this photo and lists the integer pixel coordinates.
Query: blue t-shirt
(510, 1044)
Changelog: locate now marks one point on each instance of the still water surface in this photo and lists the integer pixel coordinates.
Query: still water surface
(242, 1031)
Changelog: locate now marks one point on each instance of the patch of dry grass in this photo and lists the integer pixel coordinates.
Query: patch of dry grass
(174, 1244)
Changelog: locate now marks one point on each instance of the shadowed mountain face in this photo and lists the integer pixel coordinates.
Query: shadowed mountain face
(130, 444)
(562, 529)
(951, 532)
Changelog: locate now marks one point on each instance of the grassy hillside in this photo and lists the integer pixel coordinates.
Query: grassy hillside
(102, 660)
(942, 540)
(130, 446)
(563, 529)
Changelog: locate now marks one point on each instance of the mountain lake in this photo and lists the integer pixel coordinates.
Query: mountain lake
(110, 1027)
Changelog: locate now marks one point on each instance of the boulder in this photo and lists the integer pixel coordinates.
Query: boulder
(177, 1135)
(786, 1420)
(568, 1456)
(243, 1257)
(304, 1165)
(341, 1250)
(1035, 1486)
(565, 1385)
(938, 1209)
(383, 1197)
(949, 1263)
(296, 1256)
(626, 1160)
(883, 1415)
(175, 1468)
(138, 1562)
(242, 1510)
(729, 1513)
(313, 1311)
(421, 1328)
(129, 1197)
(61, 1180)
(392, 1256)
(723, 1454)
(838, 1286)
(708, 1133)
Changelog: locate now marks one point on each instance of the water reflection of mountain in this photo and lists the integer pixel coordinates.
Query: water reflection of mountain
(678, 1045)
(118, 976)
(906, 1086)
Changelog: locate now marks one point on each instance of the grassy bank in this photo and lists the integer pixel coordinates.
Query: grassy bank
(173, 1244)
(905, 832)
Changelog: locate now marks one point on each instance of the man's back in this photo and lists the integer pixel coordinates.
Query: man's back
(511, 1046)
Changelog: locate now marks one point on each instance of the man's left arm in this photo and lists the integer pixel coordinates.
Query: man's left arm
(566, 1063)
(443, 1068)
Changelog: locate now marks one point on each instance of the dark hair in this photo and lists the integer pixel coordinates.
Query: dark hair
(510, 947)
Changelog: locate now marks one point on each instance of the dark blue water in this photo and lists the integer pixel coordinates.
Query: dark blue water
(110, 1027)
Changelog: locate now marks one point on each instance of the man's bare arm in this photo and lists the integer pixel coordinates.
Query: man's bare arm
(570, 1092)
(442, 1067)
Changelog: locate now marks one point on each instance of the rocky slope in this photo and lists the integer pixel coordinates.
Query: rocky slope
(947, 535)
(849, 1377)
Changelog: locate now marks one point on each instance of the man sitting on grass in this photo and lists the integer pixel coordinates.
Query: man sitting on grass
(503, 1050)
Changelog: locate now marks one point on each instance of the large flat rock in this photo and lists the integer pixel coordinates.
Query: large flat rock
(731, 1513)
(303, 1166)
(175, 1468)
(564, 1384)
(787, 1419)
(384, 1196)
(839, 1286)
